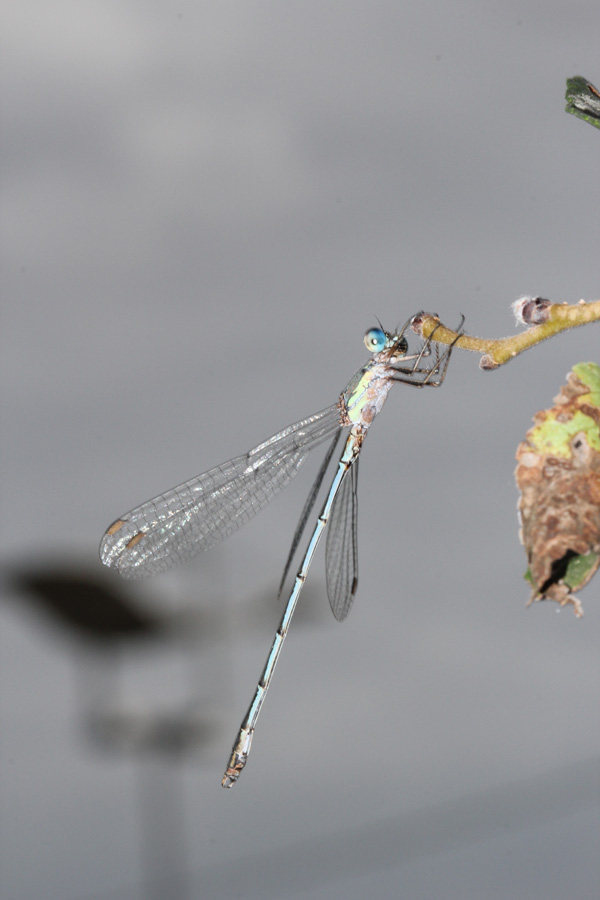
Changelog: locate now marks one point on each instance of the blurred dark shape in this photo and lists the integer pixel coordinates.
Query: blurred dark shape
(87, 606)
(97, 613)
(173, 734)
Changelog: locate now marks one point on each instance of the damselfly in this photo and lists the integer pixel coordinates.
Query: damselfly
(196, 515)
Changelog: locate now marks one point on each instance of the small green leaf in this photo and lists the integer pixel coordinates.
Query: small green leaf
(589, 374)
(580, 569)
(583, 100)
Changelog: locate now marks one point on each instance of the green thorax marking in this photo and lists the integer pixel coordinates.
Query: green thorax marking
(356, 395)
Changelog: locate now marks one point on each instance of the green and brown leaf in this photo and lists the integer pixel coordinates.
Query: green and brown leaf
(558, 474)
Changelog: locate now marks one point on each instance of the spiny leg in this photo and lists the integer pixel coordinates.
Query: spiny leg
(406, 374)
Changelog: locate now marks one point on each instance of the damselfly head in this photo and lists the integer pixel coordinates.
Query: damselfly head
(395, 345)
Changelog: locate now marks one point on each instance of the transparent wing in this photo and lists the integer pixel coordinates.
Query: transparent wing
(310, 502)
(341, 551)
(194, 516)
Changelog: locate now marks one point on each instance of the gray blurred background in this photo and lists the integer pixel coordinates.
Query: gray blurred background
(204, 207)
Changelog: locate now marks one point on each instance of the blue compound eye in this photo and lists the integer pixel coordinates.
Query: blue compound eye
(375, 340)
